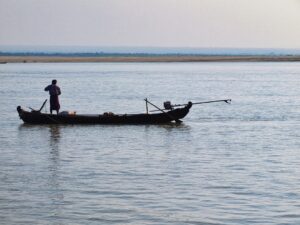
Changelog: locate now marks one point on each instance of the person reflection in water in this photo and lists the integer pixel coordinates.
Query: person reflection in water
(54, 92)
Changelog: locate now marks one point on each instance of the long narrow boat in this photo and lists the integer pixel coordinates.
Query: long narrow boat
(36, 117)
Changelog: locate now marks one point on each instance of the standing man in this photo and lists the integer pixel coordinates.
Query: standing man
(54, 92)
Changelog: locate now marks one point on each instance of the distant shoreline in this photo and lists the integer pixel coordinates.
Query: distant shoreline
(158, 58)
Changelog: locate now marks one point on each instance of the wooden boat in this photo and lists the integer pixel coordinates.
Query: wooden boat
(164, 116)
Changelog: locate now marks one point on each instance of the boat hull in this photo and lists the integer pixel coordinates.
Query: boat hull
(36, 117)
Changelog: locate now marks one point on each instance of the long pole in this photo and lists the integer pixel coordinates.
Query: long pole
(228, 101)
(198, 103)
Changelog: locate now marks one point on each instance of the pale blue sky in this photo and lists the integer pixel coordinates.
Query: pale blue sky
(146, 23)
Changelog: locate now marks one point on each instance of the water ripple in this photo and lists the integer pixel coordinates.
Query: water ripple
(225, 164)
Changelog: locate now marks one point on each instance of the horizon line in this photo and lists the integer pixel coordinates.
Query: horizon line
(51, 50)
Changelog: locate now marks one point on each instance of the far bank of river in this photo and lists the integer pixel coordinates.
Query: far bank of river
(163, 58)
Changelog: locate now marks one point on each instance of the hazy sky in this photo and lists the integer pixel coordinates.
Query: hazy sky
(160, 23)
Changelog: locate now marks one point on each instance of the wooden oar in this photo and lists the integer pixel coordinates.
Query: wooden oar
(40, 108)
(43, 105)
(170, 116)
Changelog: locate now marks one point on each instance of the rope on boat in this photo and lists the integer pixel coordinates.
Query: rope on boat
(169, 115)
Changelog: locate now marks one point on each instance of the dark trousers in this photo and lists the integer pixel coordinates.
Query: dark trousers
(54, 103)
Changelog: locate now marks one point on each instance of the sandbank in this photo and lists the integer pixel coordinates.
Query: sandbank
(163, 58)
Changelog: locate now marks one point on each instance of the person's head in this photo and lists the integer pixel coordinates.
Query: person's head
(54, 81)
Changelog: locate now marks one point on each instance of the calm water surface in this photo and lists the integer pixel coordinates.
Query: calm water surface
(226, 164)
